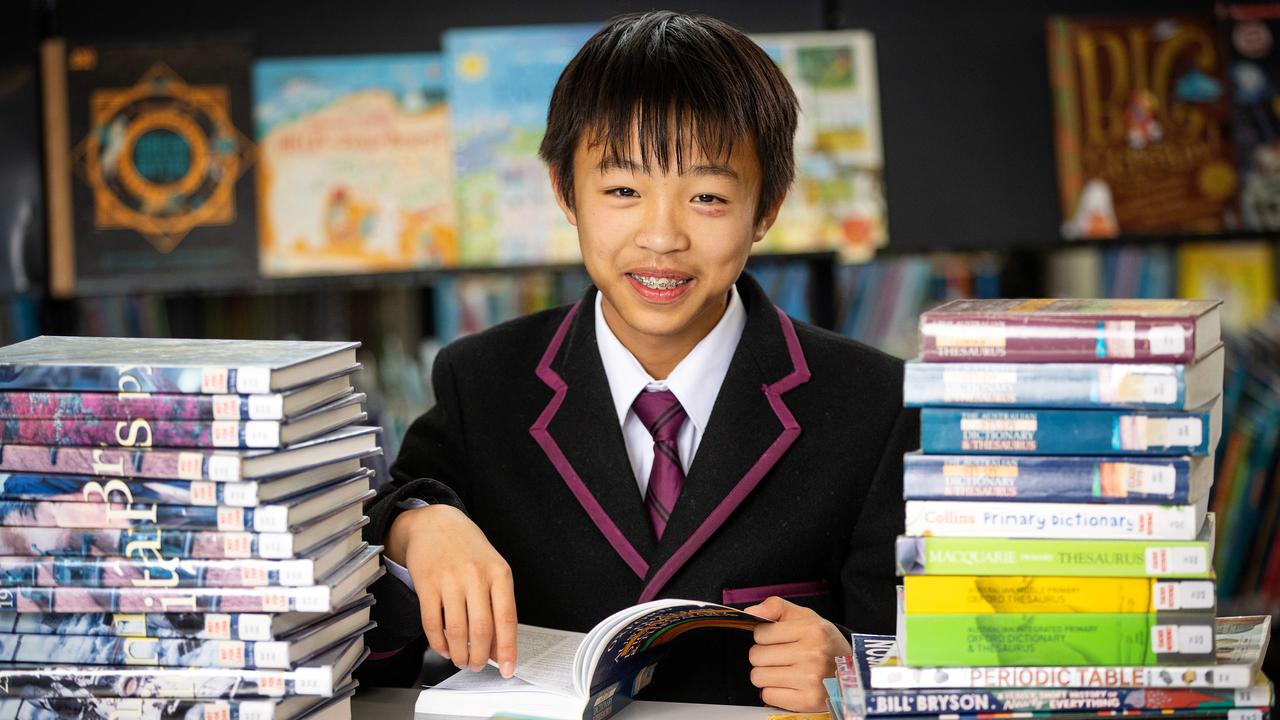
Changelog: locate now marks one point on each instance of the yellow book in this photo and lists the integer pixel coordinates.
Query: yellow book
(1241, 274)
(948, 594)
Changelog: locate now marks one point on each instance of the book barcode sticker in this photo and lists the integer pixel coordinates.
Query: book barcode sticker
(1159, 389)
(266, 407)
(275, 601)
(1195, 639)
(240, 494)
(204, 493)
(262, 434)
(256, 710)
(230, 518)
(1164, 639)
(253, 380)
(224, 468)
(271, 518)
(275, 545)
(254, 626)
(312, 599)
(1255, 696)
(1184, 432)
(230, 654)
(1133, 433)
(254, 574)
(190, 466)
(1115, 339)
(217, 626)
(237, 545)
(225, 433)
(1246, 713)
(1196, 595)
(271, 655)
(1149, 479)
(296, 573)
(213, 381)
(221, 710)
(312, 681)
(1167, 340)
(226, 407)
(272, 684)
(1178, 560)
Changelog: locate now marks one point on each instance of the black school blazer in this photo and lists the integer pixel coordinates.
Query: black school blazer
(796, 489)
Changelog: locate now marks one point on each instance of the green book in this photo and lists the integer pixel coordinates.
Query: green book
(978, 640)
(931, 555)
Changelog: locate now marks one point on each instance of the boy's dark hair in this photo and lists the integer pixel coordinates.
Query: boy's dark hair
(677, 81)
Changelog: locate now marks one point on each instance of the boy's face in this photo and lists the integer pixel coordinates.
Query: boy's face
(664, 247)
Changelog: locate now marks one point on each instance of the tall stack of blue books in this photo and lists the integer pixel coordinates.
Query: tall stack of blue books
(1058, 548)
(180, 528)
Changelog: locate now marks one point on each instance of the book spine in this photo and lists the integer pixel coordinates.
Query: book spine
(197, 683)
(163, 652)
(1063, 432)
(1232, 676)
(107, 516)
(1074, 558)
(203, 626)
(314, 599)
(960, 518)
(1041, 338)
(105, 708)
(143, 433)
(1068, 140)
(76, 488)
(147, 463)
(1067, 385)
(935, 702)
(1059, 639)
(41, 405)
(137, 379)
(146, 572)
(1047, 478)
(942, 594)
(146, 542)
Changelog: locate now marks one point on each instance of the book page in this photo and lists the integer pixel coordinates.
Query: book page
(544, 657)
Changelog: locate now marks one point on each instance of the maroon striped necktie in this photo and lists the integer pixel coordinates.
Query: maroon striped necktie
(662, 414)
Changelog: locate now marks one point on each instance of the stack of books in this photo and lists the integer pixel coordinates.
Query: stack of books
(1058, 549)
(180, 528)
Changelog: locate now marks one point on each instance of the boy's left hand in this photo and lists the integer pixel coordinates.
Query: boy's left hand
(793, 654)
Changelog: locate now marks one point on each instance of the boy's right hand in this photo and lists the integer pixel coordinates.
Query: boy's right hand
(464, 586)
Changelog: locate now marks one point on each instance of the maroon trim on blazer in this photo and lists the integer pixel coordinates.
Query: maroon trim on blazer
(790, 431)
(384, 654)
(753, 595)
(549, 446)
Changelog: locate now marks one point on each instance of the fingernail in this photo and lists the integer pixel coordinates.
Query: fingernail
(508, 668)
(444, 654)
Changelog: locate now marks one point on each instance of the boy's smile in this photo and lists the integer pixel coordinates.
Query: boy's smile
(664, 245)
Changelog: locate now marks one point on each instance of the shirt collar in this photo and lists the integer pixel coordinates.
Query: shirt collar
(695, 381)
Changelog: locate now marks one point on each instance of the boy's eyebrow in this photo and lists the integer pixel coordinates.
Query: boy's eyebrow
(706, 169)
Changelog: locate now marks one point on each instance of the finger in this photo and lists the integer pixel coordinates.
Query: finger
(479, 624)
(772, 655)
(502, 595)
(793, 700)
(775, 677)
(455, 623)
(771, 609)
(778, 632)
(433, 621)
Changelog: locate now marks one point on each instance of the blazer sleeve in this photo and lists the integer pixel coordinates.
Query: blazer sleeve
(869, 575)
(431, 467)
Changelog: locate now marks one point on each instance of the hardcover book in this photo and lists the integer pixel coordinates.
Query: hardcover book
(316, 676)
(108, 708)
(1050, 478)
(1239, 647)
(246, 494)
(1065, 385)
(167, 365)
(942, 594)
(1071, 432)
(1071, 330)
(147, 163)
(1098, 521)
(878, 654)
(988, 639)
(1074, 558)
(356, 168)
(1141, 110)
(193, 463)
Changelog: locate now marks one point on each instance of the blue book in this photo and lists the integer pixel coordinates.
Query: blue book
(1070, 432)
(146, 365)
(1066, 385)
(1179, 480)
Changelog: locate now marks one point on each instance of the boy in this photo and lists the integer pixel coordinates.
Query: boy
(672, 434)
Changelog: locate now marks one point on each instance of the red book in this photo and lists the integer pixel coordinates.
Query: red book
(1065, 330)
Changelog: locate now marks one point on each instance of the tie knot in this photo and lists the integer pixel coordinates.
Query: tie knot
(660, 412)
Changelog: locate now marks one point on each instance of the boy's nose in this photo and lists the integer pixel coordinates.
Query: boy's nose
(663, 231)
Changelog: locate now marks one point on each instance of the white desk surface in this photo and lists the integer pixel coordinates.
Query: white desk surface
(397, 703)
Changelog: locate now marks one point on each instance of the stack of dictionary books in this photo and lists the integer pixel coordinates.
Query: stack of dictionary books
(180, 528)
(1056, 514)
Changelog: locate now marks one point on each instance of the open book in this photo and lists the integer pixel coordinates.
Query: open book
(569, 675)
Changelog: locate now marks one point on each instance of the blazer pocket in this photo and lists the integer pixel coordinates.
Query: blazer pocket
(753, 595)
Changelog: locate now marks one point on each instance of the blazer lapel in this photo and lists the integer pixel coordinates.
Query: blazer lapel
(749, 430)
(578, 430)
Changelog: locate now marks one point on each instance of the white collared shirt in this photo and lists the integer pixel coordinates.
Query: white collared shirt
(695, 382)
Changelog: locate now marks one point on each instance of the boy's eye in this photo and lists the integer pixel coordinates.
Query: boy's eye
(623, 192)
(706, 198)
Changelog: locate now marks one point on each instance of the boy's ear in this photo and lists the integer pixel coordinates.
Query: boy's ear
(767, 220)
(565, 206)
